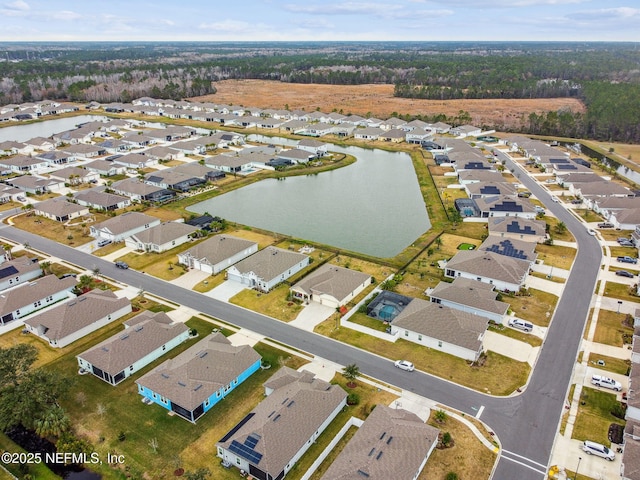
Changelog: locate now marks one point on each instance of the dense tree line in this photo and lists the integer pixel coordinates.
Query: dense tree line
(604, 76)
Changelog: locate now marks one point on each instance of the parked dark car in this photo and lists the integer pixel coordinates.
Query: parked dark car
(624, 273)
(627, 259)
(122, 265)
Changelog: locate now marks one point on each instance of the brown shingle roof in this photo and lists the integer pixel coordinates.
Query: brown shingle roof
(164, 233)
(287, 419)
(471, 293)
(490, 265)
(77, 313)
(219, 248)
(197, 373)
(12, 300)
(144, 334)
(443, 323)
(125, 222)
(270, 262)
(391, 444)
(337, 282)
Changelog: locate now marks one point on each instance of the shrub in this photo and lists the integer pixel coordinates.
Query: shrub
(353, 399)
(451, 476)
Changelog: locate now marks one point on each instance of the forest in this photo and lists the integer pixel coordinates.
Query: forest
(604, 76)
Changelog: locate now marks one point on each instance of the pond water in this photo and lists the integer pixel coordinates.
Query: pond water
(22, 133)
(373, 206)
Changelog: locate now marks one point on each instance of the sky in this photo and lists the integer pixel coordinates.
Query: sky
(320, 20)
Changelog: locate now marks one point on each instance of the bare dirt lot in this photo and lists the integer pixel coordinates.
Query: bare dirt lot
(377, 100)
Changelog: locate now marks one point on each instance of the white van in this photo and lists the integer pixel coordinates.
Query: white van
(606, 382)
(520, 324)
(593, 448)
(103, 242)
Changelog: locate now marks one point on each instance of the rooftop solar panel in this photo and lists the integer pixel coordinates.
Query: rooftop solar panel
(245, 452)
(8, 271)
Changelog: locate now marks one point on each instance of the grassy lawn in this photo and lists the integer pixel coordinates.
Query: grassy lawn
(611, 364)
(108, 249)
(162, 265)
(536, 308)
(475, 230)
(516, 334)
(565, 236)
(273, 304)
(610, 329)
(612, 234)
(209, 283)
(498, 376)
(163, 214)
(468, 457)
(620, 291)
(588, 215)
(100, 412)
(247, 233)
(622, 251)
(57, 231)
(366, 321)
(337, 450)
(556, 255)
(594, 416)
(546, 277)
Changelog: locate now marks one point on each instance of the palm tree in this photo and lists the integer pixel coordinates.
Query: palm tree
(53, 423)
(438, 242)
(46, 267)
(351, 372)
(96, 271)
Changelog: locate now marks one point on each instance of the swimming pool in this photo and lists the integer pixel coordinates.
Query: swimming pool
(388, 312)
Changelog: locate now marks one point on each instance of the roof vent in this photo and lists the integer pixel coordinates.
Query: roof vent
(124, 337)
(164, 375)
(182, 384)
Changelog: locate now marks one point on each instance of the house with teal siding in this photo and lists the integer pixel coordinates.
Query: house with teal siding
(200, 377)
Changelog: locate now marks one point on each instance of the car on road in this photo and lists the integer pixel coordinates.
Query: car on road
(627, 259)
(555, 199)
(404, 365)
(624, 273)
(606, 382)
(593, 448)
(122, 265)
(520, 324)
(591, 232)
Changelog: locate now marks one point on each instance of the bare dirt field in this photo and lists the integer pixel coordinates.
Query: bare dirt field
(377, 100)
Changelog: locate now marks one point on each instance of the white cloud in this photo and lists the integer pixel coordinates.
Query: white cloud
(19, 5)
(509, 3)
(617, 13)
(346, 8)
(66, 15)
(227, 26)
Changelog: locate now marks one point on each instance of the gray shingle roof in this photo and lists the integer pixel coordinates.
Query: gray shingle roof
(59, 206)
(470, 293)
(164, 233)
(125, 222)
(502, 225)
(100, 199)
(218, 248)
(443, 323)
(390, 444)
(198, 372)
(12, 300)
(490, 265)
(287, 419)
(144, 334)
(338, 282)
(18, 266)
(270, 262)
(78, 313)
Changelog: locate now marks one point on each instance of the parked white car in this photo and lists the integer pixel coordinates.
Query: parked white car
(404, 365)
(520, 324)
(606, 382)
(593, 448)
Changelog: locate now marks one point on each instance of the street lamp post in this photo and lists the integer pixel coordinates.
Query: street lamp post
(577, 468)
(619, 303)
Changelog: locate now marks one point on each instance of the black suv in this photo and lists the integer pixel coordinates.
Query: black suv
(122, 265)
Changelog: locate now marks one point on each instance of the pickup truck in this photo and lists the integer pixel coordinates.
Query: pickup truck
(627, 259)
(606, 382)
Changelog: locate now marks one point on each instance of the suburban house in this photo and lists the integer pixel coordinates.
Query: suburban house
(17, 271)
(630, 465)
(162, 153)
(331, 285)
(267, 268)
(505, 273)
(75, 175)
(9, 194)
(489, 189)
(273, 437)
(146, 337)
(316, 147)
(41, 143)
(389, 440)
(200, 171)
(135, 161)
(105, 168)
(139, 191)
(445, 329)
(82, 150)
(502, 206)
(229, 163)
(55, 157)
(161, 237)
(72, 320)
(9, 147)
(21, 164)
(200, 377)
(518, 228)
(118, 228)
(520, 249)
(19, 302)
(470, 296)
(296, 155)
(368, 133)
(466, 131)
(174, 180)
(217, 253)
(34, 185)
(473, 176)
(101, 200)
(60, 209)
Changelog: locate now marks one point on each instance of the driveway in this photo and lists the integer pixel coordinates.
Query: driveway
(191, 278)
(225, 290)
(510, 347)
(311, 315)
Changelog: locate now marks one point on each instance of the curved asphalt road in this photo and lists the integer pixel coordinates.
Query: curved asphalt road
(525, 424)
